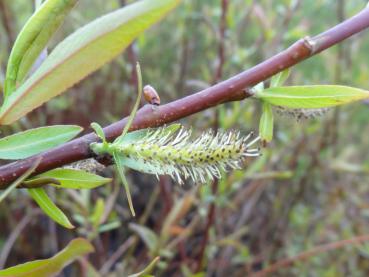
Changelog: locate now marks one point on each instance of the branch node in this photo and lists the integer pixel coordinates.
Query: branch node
(311, 44)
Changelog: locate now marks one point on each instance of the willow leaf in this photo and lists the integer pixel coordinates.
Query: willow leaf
(48, 206)
(73, 179)
(119, 165)
(311, 97)
(82, 53)
(266, 123)
(52, 266)
(33, 39)
(25, 144)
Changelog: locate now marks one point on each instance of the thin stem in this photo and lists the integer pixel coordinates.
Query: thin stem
(135, 107)
(16, 232)
(307, 254)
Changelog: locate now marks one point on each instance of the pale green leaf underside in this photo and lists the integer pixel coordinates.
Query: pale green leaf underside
(133, 136)
(48, 206)
(311, 97)
(279, 79)
(74, 179)
(34, 141)
(82, 53)
(98, 212)
(33, 38)
(266, 123)
(52, 266)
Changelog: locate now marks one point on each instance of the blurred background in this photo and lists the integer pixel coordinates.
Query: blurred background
(308, 189)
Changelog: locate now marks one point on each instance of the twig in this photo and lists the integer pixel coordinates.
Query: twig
(14, 235)
(116, 255)
(305, 255)
(228, 90)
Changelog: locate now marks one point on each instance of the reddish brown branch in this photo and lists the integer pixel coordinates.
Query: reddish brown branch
(305, 255)
(228, 90)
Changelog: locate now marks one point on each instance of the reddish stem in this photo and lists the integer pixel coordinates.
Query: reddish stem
(308, 254)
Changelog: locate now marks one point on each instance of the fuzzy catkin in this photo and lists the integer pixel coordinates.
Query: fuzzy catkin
(163, 153)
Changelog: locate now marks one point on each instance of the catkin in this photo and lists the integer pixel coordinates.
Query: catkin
(166, 153)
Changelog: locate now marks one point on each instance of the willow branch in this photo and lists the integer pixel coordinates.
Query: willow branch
(232, 89)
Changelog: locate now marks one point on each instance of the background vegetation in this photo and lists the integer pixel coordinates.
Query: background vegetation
(309, 188)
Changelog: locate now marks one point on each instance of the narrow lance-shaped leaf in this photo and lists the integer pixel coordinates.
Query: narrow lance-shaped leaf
(32, 40)
(266, 123)
(73, 179)
(82, 53)
(119, 165)
(98, 212)
(48, 206)
(34, 141)
(52, 266)
(311, 97)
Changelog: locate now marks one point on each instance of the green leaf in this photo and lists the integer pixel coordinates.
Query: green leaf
(119, 165)
(73, 179)
(133, 136)
(150, 239)
(147, 270)
(311, 97)
(48, 206)
(279, 79)
(82, 53)
(99, 131)
(52, 266)
(32, 40)
(266, 123)
(34, 141)
(109, 226)
(98, 212)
